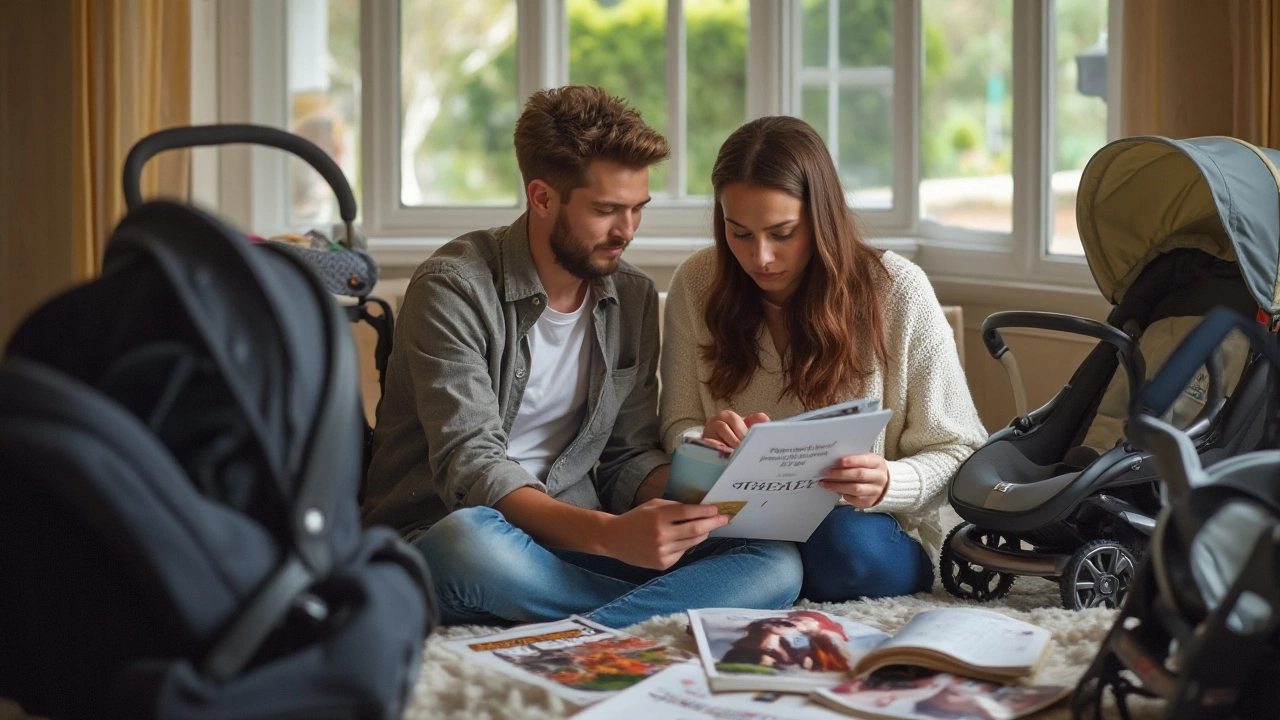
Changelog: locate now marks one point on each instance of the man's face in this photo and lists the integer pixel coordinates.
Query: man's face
(598, 222)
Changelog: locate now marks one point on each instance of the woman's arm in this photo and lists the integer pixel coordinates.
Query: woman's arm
(941, 427)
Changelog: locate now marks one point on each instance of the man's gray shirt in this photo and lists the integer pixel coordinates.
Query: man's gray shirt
(458, 371)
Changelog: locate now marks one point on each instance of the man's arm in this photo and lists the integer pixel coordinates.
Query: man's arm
(447, 344)
(654, 534)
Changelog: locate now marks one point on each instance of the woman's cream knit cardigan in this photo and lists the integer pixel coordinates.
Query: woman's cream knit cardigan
(934, 425)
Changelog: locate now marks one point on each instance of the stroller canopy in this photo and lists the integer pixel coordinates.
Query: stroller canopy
(1141, 197)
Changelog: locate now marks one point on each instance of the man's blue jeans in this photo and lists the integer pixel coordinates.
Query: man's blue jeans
(487, 571)
(856, 554)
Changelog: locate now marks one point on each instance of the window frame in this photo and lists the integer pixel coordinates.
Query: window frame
(250, 71)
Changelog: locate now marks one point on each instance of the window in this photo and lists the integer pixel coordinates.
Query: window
(960, 127)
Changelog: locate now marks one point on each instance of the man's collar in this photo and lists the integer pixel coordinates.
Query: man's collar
(520, 275)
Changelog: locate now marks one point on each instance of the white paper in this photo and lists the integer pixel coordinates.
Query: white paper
(681, 693)
(578, 660)
(774, 474)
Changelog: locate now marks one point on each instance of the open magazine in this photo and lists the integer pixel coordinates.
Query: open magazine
(780, 650)
(917, 694)
(769, 484)
(969, 641)
(580, 661)
(797, 650)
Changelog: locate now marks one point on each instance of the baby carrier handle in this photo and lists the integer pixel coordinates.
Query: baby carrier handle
(229, 134)
(1130, 357)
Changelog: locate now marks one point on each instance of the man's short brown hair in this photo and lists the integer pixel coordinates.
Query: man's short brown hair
(563, 129)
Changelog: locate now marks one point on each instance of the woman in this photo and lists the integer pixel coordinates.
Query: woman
(790, 311)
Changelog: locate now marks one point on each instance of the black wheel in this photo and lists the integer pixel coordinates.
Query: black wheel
(965, 579)
(1099, 574)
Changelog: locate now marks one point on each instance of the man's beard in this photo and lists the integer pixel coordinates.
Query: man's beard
(574, 254)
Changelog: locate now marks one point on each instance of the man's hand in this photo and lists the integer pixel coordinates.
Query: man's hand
(655, 534)
(861, 479)
(729, 427)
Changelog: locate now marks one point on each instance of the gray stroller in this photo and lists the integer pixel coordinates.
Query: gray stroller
(1171, 229)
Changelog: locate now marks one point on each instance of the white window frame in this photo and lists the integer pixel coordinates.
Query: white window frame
(252, 183)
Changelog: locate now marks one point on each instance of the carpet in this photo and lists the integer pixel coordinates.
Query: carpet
(448, 688)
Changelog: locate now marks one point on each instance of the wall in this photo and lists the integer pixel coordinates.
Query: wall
(37, 251)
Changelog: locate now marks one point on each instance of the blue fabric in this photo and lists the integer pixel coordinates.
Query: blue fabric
(487, 571)
(855, 554)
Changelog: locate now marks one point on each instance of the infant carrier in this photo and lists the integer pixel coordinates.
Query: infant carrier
(1171, 229)
(1198, 630)
(179, 532)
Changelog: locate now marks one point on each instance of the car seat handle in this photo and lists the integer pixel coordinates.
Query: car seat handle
(1126, 349)
(230, 134)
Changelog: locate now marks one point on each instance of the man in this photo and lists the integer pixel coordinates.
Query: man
(517, 442)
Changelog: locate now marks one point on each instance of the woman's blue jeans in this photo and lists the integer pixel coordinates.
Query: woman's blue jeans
(487, 571)
(855, 554)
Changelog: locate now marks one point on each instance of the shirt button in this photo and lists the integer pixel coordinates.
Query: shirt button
(537, 301)
(520, 373)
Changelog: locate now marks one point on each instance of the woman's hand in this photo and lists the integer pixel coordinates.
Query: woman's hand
(861, 479)
(729, 427)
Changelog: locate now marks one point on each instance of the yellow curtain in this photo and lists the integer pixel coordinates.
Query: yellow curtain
(1193, 68)
(132, 77)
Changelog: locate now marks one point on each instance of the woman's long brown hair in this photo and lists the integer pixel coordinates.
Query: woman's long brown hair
(834, 318)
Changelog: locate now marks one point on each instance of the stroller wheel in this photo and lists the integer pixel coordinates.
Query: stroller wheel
(1098, 575)
(964, 579)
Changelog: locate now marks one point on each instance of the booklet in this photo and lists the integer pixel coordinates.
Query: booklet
(580, 661)
(967, 641)
(918, 694)
(779, 650)
(798, 650)
(769, 486)
(681, 693)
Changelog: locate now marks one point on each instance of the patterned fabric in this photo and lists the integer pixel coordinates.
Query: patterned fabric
(344, 271)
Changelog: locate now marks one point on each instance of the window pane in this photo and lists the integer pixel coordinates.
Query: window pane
(815, 25)
(1080, 110)
(966, 114)
(716, 83)
(866, 32)
(458, 102)
(847, 95)
(621, 46)
(864, 147)
(324, 100)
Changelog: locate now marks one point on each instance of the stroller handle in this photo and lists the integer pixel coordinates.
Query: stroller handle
(228, 134)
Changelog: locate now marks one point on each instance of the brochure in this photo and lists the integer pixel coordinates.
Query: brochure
(575, 659)
(779, 650)
(769, 486)
(681, 693)
(919, 694)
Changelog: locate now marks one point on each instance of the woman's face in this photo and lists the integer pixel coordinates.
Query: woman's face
(768, 232)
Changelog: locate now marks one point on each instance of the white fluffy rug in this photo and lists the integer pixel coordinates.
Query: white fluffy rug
(450, 688)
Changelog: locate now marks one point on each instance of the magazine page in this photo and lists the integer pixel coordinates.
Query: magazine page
(916, 694)
(576, 659)
(770, 487)
(781, 650)
(681, 693)
(975, 637)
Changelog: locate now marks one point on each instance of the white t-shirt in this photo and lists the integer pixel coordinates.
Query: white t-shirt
(555, 398)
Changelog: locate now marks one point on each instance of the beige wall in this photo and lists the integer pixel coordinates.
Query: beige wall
(37, 252)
